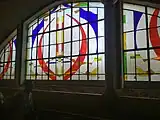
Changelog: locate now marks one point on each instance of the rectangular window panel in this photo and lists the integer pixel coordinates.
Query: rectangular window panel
(53, 38)
(100, 13)
(67, 35)
(67, 48)
(76, 15)
(101, 44)
(67, 18)
(129, 63)
(129, 40)
(142, 65)
(92, 45)
(154, 63)
(75, 48)
(53, 51)
(75, 33)
(101, 28)
(46, 39)
(83, 64)
(45, 51)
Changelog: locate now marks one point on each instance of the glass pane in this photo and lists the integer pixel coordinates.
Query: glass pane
(129, 63)
(67, 49)
(75, 33)
(75, 48)
(101, 44)
(67, 35)
(142, 65)
(92, 45)
(129, 41)
(154, 63)
(101, 28)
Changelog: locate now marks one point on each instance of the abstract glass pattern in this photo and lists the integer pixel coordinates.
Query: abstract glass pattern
(141, 43)
(67, 43)
(7, 60)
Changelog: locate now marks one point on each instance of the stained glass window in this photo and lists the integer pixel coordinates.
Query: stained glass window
(67, 43)
(141, 43)
(7, 60)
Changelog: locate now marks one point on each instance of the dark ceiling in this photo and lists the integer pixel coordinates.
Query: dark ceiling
(14, 11)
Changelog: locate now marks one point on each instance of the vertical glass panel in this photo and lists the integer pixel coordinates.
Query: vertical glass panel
(75, 33)
(28, 54)
(34, 51)
(129, 40)
(75, 61)
(46, 39)
(84, 15)
(53, 21)
(154, 63)
(13, 55)
(154, 37)
(85, 28)
(67, 19)
(83, 64)
(101, 28)
(29, 43)
(129, 63)
(53, 51)
(141, 39)
(67, 49)
(100, 13)
(101, 44)
(101, 63)
(75, 48)
(92, 29)
(142, 65)
(128, 21)
(93, 67)
(67, 35)
(32, 69)
(53, 38)
(76, 15)
(92, 45)
(45, 51)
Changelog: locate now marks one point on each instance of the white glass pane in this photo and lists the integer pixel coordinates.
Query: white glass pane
(75, 33)
(46, 39)
(67, 49)
(67, 35)
(53, 38)
(75, 48)
(100, 13)
(101, 44)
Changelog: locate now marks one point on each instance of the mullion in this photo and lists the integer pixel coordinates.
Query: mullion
(88, 43)
(49, 44)
(148, 50)
(97, 52)
(71, 42)
(79, 72)
(11, 59)
(62, 59)
(36, 68)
